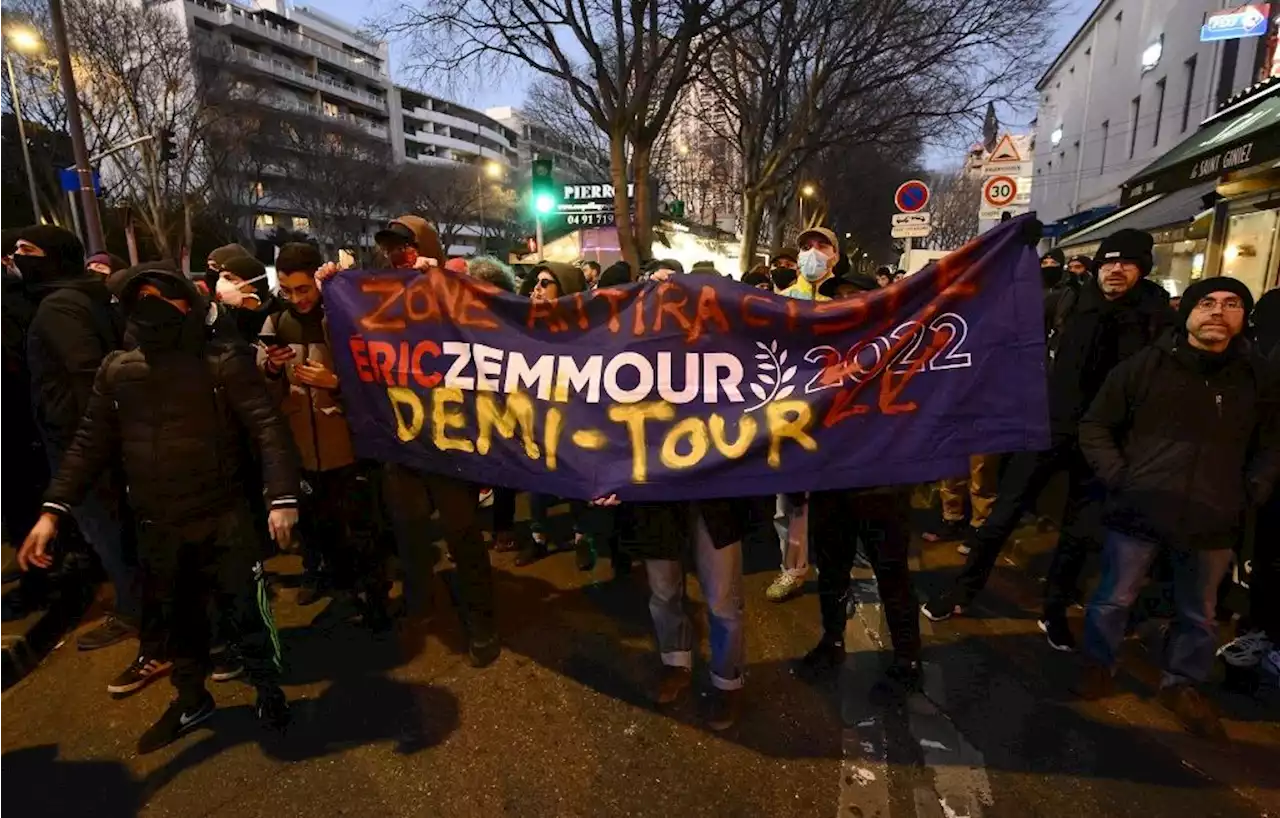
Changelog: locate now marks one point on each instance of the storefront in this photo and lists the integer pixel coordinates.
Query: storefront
(1212, 203)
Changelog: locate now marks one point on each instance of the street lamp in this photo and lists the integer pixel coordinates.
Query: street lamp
(26, 41)
(494, 171)
(806, 192)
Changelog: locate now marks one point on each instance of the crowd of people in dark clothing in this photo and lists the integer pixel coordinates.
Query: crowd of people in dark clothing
(188, 427)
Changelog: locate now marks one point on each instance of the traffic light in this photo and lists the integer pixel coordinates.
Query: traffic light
(676, 208)
(542, 190)
(168, 146)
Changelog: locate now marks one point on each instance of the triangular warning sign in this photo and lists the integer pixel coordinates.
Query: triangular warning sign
(1005, 151)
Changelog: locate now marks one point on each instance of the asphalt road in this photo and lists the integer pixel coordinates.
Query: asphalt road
(560, 726)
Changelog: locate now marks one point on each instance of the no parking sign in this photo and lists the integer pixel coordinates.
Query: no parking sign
(912, 196)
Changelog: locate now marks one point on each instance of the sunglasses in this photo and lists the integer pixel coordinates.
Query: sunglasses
(545, 282)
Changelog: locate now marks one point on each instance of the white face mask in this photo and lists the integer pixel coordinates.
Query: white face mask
(229, 292)
(813, 264)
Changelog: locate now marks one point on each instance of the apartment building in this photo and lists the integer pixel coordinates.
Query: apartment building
(1132, 83)
(573, 162)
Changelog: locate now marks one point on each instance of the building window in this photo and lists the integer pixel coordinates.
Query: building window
(301, 223)
(1135, 110)
(264, 221)
(1106, 132)
(330, 109)
(1155, 139)
(1115, 54)
(1186, 97)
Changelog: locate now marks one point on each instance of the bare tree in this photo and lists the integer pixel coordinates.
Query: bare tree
(815, 74)
(454, 197)
(953, 203)
(636, 59)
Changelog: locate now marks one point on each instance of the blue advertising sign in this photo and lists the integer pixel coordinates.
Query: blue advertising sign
(1249, 20)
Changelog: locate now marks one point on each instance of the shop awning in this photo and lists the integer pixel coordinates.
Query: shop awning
(1168, 211)
(1239, 137)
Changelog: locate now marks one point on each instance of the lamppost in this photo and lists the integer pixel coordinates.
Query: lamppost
(806, 192)
(492, 170)
(26, 41)
(88, 199)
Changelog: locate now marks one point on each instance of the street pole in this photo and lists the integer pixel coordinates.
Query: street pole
(92, 220)
(483, 244)
(537, 220)
(22, 137)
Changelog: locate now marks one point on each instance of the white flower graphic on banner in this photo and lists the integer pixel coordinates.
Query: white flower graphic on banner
(773, 376)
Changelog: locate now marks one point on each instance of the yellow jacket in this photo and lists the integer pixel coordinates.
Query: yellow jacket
(805, 291)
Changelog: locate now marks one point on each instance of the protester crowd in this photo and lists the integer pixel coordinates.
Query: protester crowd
(190, 428)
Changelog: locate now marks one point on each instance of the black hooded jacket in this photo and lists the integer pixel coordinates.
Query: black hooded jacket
(1089, 335)
(177, 417)
(71, 330)
(1184, 477)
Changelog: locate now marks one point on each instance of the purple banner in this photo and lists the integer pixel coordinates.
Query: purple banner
(699, 386)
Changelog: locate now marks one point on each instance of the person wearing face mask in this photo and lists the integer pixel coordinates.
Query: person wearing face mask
(411, 495)
(340, 536)
(242, 295)
(817, 261)
(1179, 482)
(71, 330)
(175, 411)
(1108, 321)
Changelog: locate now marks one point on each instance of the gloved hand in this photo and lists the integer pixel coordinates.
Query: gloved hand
(1032, 231)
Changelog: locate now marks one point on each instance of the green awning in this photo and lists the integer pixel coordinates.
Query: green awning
(1243, 139)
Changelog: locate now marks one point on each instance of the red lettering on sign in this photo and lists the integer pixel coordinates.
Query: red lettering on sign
(748, 319)
(420, 302)
(580, 303)
(383, 356)
(391, 291)
(548, 312)
(672, 307)
(708, 312)
(360, 356)
(614, 298)
(427, 380)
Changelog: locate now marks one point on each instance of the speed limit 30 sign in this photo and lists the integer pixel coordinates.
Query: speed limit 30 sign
(999, 191)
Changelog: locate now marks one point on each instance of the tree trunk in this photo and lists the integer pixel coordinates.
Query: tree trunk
(752, 212)
(777, 224)
(621, 202)
(641, 157)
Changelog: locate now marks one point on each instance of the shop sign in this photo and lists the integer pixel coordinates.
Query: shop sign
(1248, 20)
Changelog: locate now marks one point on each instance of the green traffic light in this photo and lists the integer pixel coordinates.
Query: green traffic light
(544, 203)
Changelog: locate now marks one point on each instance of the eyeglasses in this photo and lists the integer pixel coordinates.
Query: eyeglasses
(1111, 266)
(545, 282)
(1208, 304)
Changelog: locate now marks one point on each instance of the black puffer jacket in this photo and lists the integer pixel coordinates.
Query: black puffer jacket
(1089, 335)
(178, 419)
(1183, 442)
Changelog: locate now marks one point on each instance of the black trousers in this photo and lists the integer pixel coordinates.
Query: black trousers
(189, 568)
(410, 497)
(1264, 582)
(504, 510)
(838, 520)
(1024, 478)
(340, 526)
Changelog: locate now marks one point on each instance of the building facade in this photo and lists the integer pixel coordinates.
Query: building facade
(1144, 124)
(573, 161)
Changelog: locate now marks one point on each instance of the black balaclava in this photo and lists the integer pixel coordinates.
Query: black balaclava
(63, 257)
(159, 326)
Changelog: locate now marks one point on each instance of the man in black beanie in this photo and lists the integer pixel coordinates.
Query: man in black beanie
(1091, 330)
(1180, 481)
(71, 330)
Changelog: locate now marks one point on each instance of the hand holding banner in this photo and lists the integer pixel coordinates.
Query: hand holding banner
(697, 386)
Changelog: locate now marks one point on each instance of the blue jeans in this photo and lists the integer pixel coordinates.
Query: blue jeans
(1192, 639)
(100, 526)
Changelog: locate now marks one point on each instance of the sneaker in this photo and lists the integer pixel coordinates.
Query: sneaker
(784, 587)
(111, 631)
(946, 531)
(941, 608)
(483, 652)
(140, 673)
(584, 553)
(227, 665)
(178, 720)
(672, 684)
(823, 661)
(900, 680)
(532, 551)
(724, 708)
(1193, 710)
(1094, 682)
(272, 708)
(1058, 633)
(1246, 650)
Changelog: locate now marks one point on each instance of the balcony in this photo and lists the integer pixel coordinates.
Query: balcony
(294, 40)
(286, 104)
(291, 72)
(462, 125)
